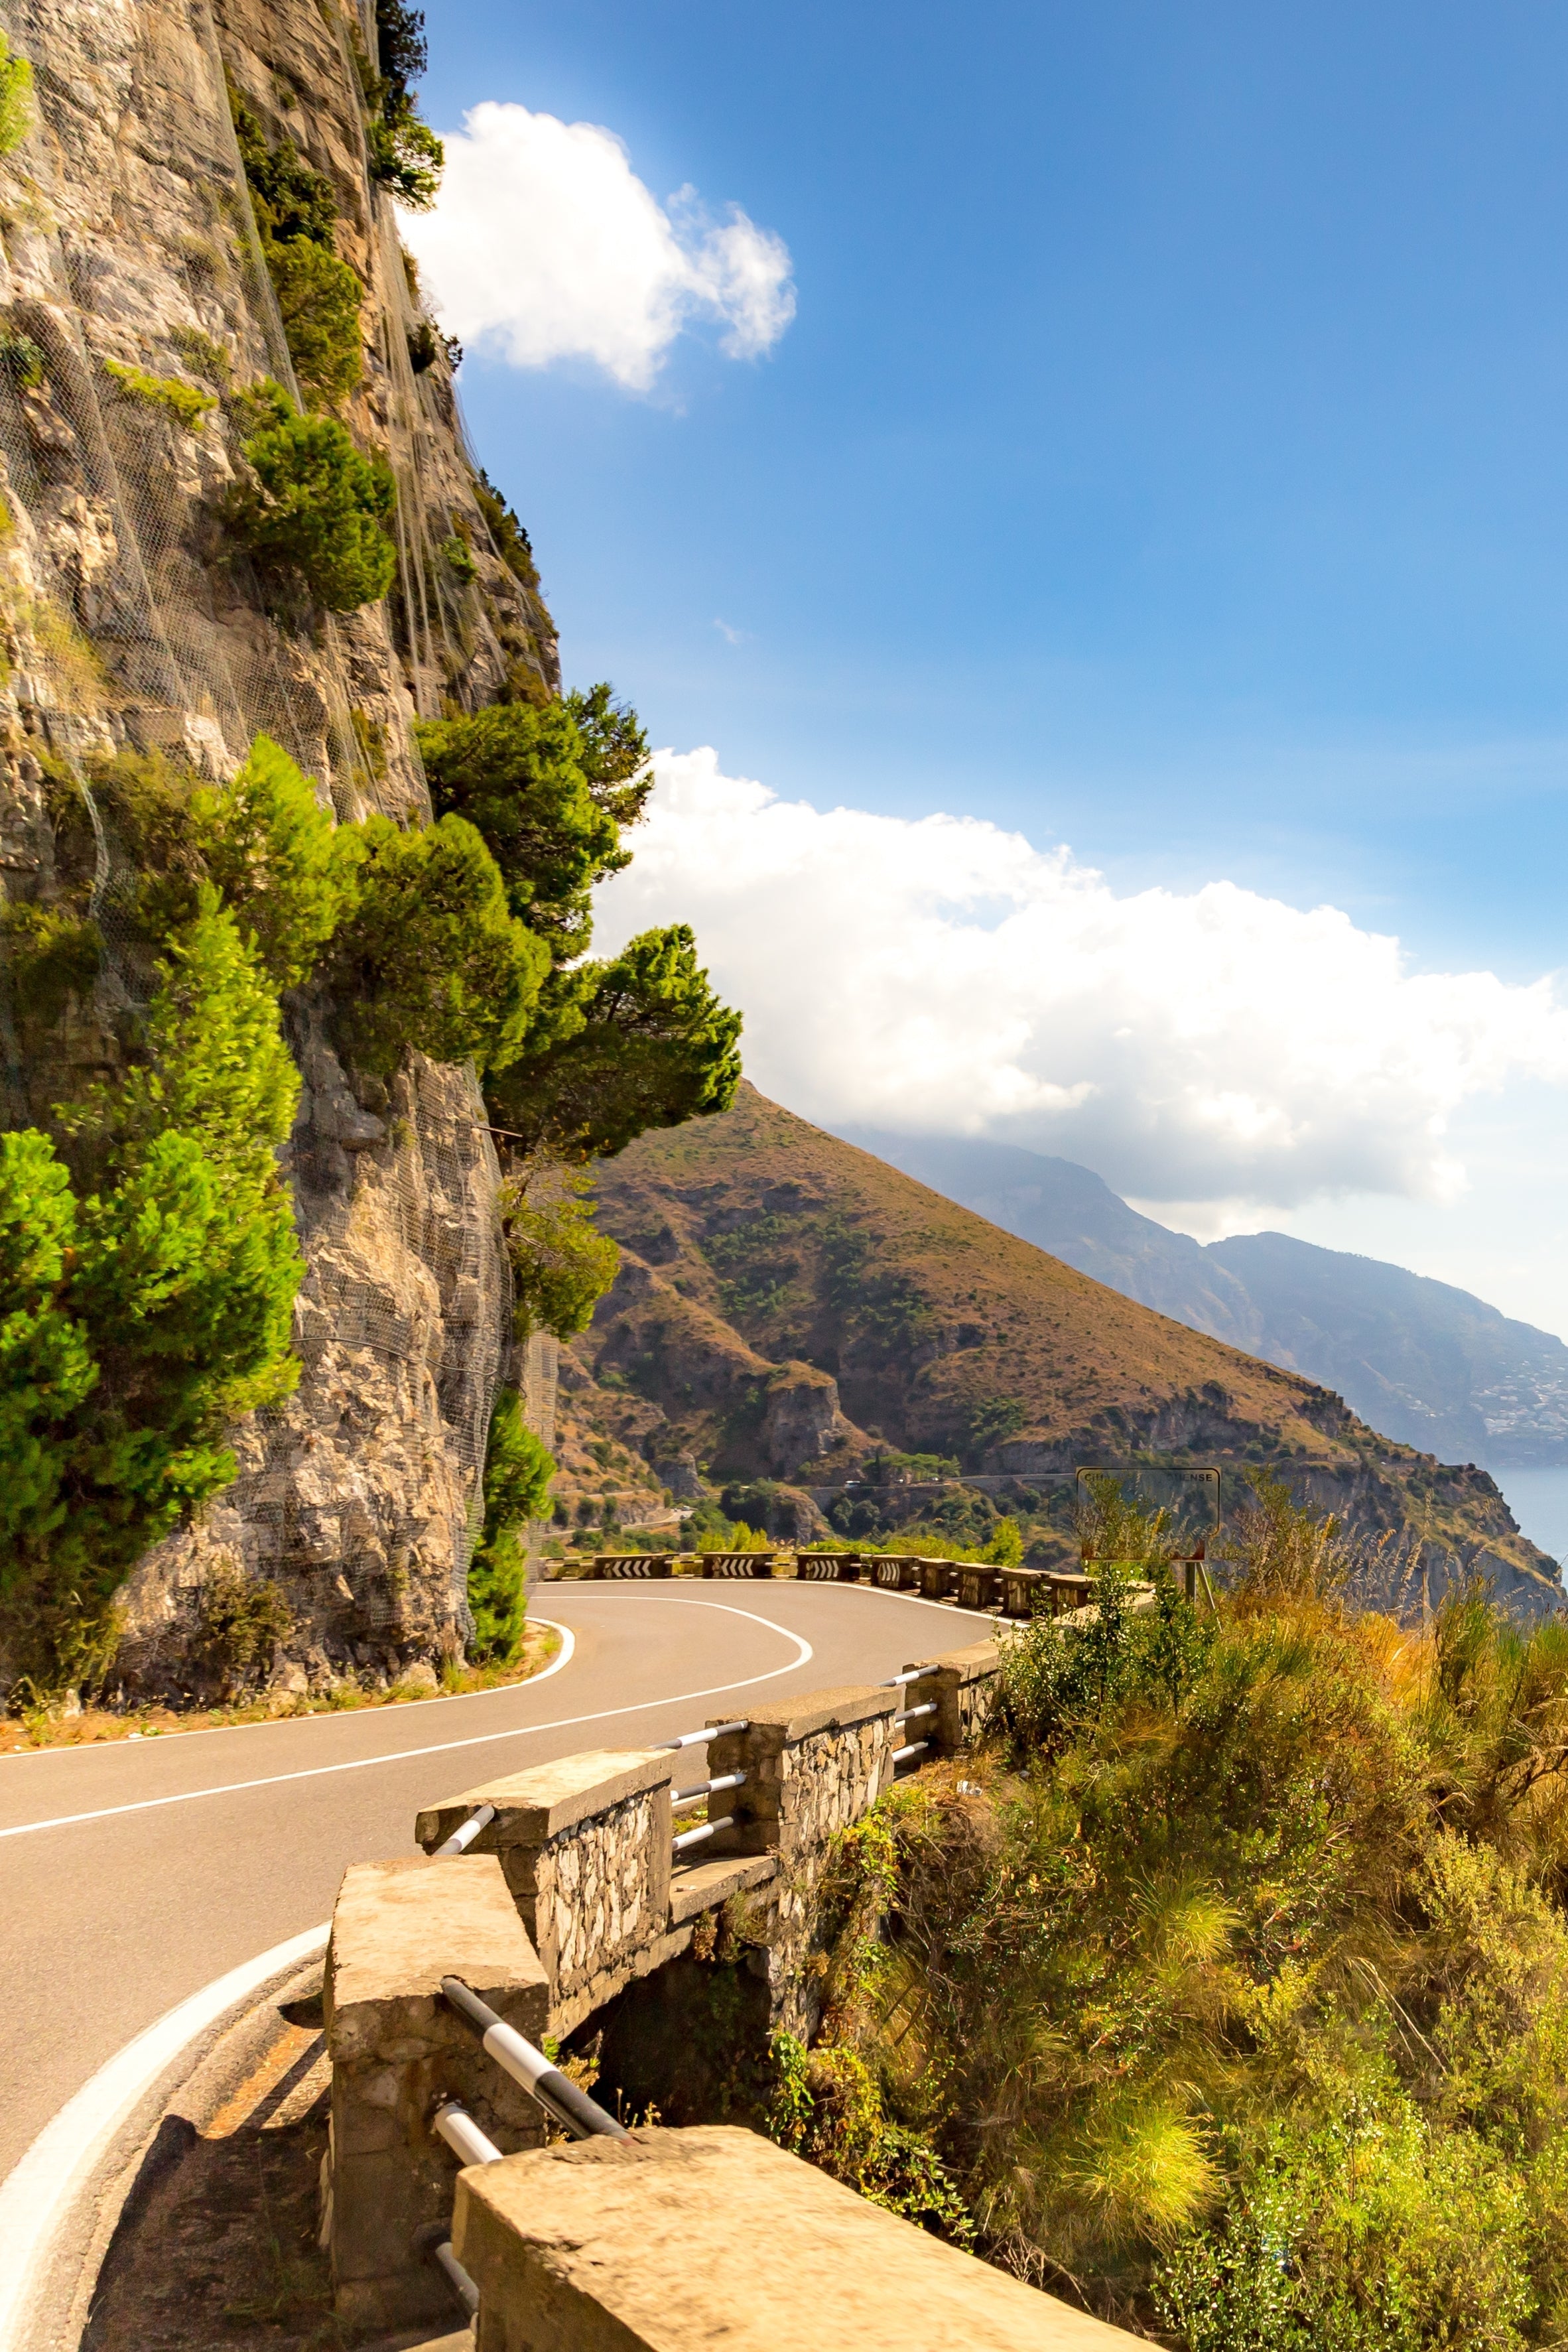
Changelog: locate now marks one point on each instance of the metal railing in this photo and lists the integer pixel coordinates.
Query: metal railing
(697, 1738)
(462, 1838)
(565, 2102)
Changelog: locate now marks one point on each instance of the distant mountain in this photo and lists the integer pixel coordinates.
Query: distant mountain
(1425, 1363)
(1417, 1358)
(1067, 1210)
(787, 1304)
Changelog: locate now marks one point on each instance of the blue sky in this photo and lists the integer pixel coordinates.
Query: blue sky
(1166, 458)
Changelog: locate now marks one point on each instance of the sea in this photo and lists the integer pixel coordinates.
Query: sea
(1539, 1501)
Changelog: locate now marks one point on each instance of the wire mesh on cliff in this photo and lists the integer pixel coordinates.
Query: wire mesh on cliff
(132, 245)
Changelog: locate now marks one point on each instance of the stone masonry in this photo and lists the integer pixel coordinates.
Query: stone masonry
(565, 1897)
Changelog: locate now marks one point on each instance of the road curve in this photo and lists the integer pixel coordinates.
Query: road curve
(132, 1874)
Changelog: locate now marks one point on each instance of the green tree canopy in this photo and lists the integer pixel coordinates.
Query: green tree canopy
(648, 1043)
(317, 504)
(562, 1263)
(148, 1306)
(288, 873)
(526, 777)
(517, 1471)
(430, 956)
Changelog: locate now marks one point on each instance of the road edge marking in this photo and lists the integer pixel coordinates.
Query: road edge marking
(39, 2195)
(323, 1715)
(441, 1747)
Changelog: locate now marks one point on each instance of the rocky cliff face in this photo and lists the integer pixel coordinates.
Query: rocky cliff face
(129, 618)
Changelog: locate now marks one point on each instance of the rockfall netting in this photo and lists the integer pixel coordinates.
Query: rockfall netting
(128, 240)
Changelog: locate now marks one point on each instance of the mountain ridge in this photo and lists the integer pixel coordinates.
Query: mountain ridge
(1422, 1360)
(787, 1300)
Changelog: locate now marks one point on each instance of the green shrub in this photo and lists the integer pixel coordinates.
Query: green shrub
(430, 956)
(513, 543)
(144, 1309)
(1371, 2233)
(517, 1471)
(318, 295)
(289, 200)
(319, 298)
(20, 356)
(522, 776)
(646, 1043)
(1235, 1994)
(240, 1619)
(18, 108)
(317, 505)
(49, 956)
(183, 402)
(828, 2107)
(405, 156)
(562, 1263)
(460, 558)
(1005, 1548)
(288, 872)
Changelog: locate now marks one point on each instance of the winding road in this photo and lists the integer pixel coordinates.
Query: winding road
(133, 1872)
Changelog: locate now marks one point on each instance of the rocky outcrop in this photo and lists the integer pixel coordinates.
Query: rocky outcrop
(130, 619)
(694, 1378)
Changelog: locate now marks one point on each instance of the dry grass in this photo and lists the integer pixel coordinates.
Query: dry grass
(52, 1727)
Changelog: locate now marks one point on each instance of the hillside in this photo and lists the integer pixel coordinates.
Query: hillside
(1419, 1360)
(787, 1302)
(1072, 1213)
(1424, 1361)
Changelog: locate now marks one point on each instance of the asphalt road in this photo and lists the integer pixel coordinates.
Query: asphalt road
(133, 1873)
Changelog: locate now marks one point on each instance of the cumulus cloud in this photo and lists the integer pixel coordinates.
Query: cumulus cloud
(546, 245)
(943, 976)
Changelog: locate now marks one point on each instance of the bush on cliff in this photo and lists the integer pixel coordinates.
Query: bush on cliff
(430, 956)
(318, 295)
(285, 870)
(550, 790)
(148, 1270)
(405, 155)
(517, 1471)
(641, 1040)
(562, 1263)
(18, 108)
(1234, 1991)
(315, 504)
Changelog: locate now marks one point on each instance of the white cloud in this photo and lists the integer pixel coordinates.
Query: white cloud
(545, 245)
(941, 974)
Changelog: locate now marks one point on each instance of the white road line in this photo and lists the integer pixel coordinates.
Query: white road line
(39, 2191)
(275, 1723)
(444, 1746)
(593, 1590)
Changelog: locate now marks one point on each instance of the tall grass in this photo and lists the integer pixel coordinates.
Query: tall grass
(1232, 1989)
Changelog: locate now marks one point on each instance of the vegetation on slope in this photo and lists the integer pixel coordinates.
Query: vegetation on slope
(147, 1275)
(318, 295)
(1230, 1989)
(315, 502)
(146, 1292)
(949, 1338)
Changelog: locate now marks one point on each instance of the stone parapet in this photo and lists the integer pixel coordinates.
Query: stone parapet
(812, 1767)
(584, 1844)
(713, 2236)
(566, 1898)
(397, 2048)
(960, 1685)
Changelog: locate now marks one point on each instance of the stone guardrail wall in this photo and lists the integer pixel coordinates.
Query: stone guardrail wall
(569, 1894)
(974, 1584)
